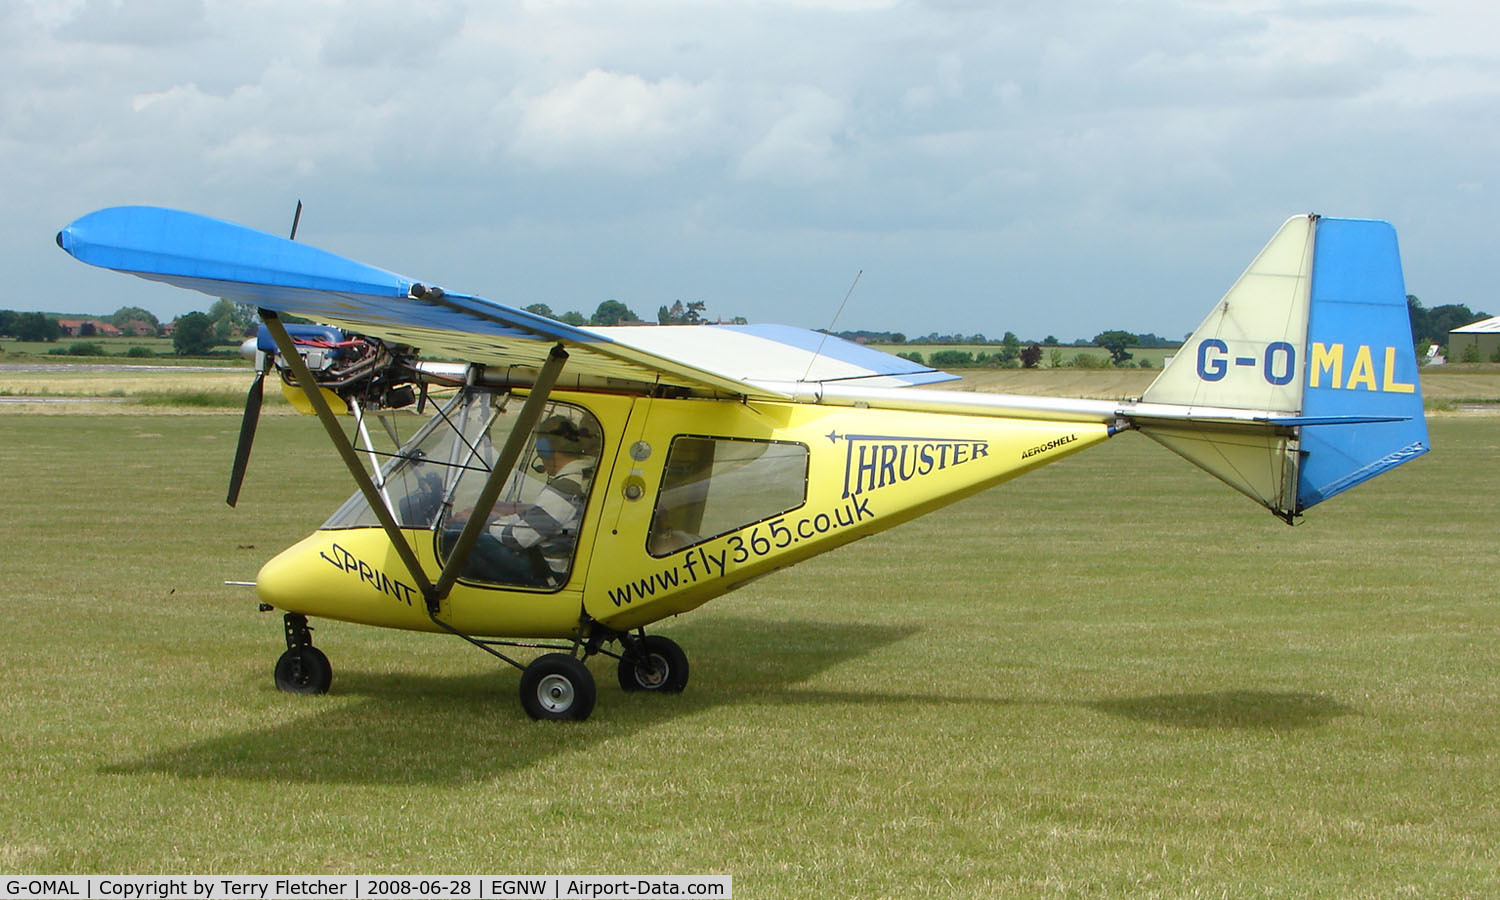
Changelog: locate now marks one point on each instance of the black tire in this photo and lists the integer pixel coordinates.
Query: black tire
(557, 687)
(658, 665)
(304, 670)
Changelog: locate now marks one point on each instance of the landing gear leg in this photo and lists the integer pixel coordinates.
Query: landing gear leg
(302, 669)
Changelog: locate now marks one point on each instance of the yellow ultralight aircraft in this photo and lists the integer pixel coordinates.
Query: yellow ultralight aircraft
(575, 485)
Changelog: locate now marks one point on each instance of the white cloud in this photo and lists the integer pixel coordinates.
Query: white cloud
(802, 143)
(154, 24)
(981, 135)
(615, 121)
(389, 33)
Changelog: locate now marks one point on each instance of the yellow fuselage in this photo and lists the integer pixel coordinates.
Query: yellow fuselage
(865, 471)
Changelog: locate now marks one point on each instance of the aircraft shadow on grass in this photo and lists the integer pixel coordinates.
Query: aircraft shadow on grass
(435, 730)
(454, 730)
(1266, 710)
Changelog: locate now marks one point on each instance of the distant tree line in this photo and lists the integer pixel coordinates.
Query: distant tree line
(227, 322)
(193, 334)
(28, 326)
(1433, 325)
(1011, 353)
(613, 312)
(1142, 339)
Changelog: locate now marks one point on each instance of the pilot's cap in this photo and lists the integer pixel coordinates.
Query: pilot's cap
(562, 434)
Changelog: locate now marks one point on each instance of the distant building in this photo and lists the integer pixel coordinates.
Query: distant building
(138, 328)
(1483, 335)
(87, 328)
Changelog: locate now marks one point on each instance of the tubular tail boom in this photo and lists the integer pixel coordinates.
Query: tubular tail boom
(1300, 384)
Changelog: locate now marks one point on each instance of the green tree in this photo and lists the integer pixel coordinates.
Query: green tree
(195, 334)
(7, 321)
(613, 312)
(1116, 343)
(1010, 347)
(127, 317)
(680, 313)
(950, 359)
(540, 309)
(34, 326)
(231, 320)
(572, 317)
(1435, 323)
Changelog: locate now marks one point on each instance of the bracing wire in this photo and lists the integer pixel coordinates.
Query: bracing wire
(818, 352)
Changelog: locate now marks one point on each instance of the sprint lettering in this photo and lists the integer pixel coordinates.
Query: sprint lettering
(345, 561)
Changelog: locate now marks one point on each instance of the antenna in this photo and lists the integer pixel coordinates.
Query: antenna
(818, 352)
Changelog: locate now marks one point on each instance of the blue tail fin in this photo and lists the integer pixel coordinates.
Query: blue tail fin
(1360, 362)
(1313, 345)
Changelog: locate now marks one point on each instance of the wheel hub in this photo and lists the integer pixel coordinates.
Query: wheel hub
(555, 693)
(653, 672)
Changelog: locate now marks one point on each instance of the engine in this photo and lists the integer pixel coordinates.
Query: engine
(355, 367)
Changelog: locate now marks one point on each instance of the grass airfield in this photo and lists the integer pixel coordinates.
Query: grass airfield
(1113, 677)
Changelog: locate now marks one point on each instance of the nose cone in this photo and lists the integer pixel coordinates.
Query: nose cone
(250, 351)
(281, 581)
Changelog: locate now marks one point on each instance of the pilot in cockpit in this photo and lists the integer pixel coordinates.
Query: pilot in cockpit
(542, 535)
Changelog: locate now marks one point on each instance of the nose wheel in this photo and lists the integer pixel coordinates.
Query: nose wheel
(303, 668)
(653, 663)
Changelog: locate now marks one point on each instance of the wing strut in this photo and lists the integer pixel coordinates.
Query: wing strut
(346, 450)
(526, 422)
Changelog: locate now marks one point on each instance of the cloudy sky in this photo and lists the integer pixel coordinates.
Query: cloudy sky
(1039, 166)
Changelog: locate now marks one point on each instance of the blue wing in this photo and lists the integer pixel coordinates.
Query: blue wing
(223, 259)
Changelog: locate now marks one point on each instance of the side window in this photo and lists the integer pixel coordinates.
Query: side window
(713, 486)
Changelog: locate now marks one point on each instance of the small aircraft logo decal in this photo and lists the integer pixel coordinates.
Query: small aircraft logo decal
(880, 460)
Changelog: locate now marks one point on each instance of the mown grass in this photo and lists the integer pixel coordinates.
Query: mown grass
(1110, 678)
(114, 349)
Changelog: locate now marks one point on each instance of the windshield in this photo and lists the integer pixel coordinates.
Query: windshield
(435, 480)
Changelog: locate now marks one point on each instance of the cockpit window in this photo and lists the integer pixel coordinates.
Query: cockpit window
(436, 478)
(713, 486)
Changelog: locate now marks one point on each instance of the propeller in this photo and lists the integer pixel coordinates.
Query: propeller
(253, 402)
(247, 432)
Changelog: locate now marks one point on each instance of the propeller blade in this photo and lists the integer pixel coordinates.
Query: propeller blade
(247, 436)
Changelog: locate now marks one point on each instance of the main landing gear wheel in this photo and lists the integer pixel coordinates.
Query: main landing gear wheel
(655, 663)
(304, 670)
(557, 687)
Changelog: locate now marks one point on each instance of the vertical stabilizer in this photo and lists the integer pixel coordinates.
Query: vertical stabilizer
(1244, 355)
(1314, 343)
